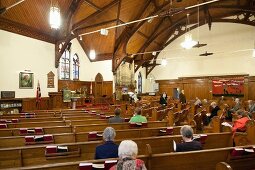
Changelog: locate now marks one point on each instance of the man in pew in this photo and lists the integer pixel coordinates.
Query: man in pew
(116, 118)
(188, 143)
(138, 118)
(237, 106)
(251, 108)
(109, 149)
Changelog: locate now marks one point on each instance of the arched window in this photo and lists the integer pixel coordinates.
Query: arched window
(76, 67)
(64, 66)
(140, 83)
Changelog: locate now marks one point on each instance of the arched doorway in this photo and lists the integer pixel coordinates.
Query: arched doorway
(99, 85)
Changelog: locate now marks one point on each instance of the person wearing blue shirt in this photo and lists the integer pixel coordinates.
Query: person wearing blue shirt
(109, 149)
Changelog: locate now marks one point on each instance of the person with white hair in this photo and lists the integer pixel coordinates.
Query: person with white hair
(198, 102)
(109, 149)
(237, 105)
(188, 143)
(128, 151)
(214, 112)
(251, 107)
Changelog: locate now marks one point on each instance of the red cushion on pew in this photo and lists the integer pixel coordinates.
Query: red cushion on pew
(3, 126)
(85, 166)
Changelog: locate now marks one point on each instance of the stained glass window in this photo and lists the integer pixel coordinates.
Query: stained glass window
(76, 66)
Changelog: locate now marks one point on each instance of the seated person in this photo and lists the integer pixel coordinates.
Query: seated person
(237, 106)
(251, 107)
(116, 118)
(138, 118)
(109, 149)
(198, 102)
(213, 113)
(238, 125)
(163, 99)
(188, 144)
(128, 151)
(228, 114)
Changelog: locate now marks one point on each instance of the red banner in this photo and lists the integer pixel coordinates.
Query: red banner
(228, 87)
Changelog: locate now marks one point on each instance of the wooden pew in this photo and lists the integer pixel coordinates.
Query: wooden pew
(116, 126)
(35, 155)
(46, 130)
(17, 116)
(16, 141)
(204, 159)
(43, 119)
(201, 160)
(36, 124)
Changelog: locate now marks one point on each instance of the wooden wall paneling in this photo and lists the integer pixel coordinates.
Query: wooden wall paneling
(29, 104)
(107, 88)
(246, 88)
(251, 88)
(202, 86)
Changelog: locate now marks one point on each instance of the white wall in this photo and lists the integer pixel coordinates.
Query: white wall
(19, 53)
(89, 70)
(226, 40)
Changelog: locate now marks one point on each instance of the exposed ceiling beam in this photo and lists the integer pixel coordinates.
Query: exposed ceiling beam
(94, 15)
(92, 5)
(68, 17)
(117, 23)
(126, 35)
(120, 43)
(96, 25)
(25, 30)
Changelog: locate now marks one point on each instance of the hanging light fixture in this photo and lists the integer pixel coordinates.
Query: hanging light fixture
(92, 54)
(188, 43)
(54, 16)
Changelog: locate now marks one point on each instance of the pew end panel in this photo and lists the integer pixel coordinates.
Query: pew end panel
(223, 166)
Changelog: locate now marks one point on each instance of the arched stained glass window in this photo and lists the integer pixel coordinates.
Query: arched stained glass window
(64, 66)
(140, 83)
(76, 67)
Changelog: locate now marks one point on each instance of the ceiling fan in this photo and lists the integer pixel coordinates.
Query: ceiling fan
(205, 54)
(198, 45)
(4, 9)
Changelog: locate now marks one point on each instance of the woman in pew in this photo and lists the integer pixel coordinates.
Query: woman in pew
(128, 151)
(109, 149)
(189, 144)
(239, 125)
(163, 99)
(214, 112)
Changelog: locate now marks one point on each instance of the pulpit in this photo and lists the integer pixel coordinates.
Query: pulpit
(74, 101)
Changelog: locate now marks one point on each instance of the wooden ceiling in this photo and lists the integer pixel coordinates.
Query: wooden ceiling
(31, 18)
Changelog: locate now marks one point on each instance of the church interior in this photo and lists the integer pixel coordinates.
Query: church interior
(175, 77)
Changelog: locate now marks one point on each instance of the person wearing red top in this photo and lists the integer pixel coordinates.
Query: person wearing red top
(240, 123)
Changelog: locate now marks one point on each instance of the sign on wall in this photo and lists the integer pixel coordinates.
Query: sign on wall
(50, 83)
(228, 87)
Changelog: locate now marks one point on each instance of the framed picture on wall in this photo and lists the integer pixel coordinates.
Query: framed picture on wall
(26, 80)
